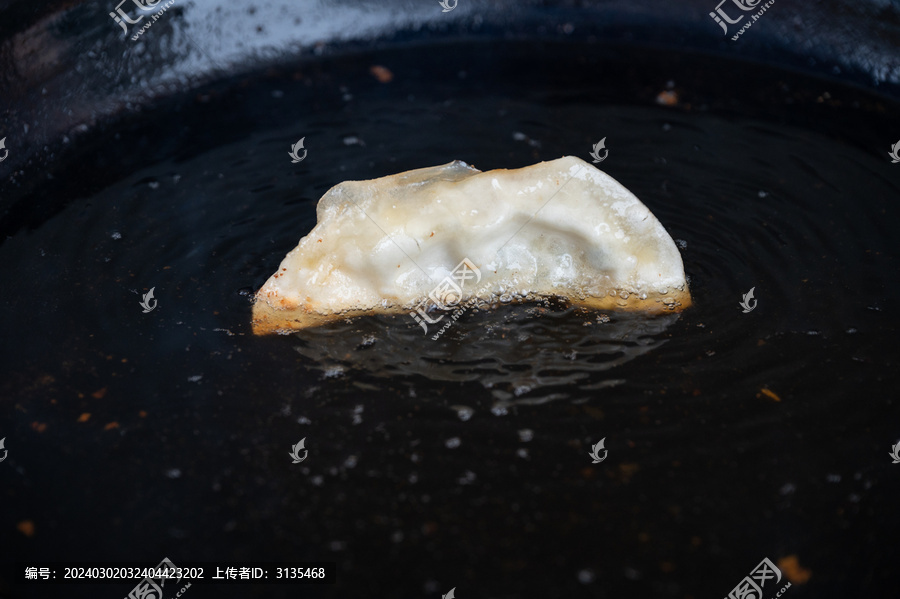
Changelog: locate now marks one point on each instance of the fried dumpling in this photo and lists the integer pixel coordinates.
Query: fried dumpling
(561, 228)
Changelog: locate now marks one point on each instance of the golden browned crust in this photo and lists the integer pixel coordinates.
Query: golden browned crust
(269, 320)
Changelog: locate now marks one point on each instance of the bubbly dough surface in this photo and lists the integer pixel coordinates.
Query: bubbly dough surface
(557, 228)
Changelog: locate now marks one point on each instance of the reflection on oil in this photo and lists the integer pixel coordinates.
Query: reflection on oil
(512, 350)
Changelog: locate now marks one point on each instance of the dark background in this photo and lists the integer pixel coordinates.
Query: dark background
(459, 463)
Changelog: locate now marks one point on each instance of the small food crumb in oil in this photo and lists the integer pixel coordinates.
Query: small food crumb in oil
(383, 74)
(769, 393)
(793, 571)
(667, 98)
(26, 527)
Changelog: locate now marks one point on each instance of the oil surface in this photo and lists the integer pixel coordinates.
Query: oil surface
(463, 462)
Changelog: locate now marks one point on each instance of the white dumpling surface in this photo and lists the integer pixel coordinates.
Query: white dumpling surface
(561, 228)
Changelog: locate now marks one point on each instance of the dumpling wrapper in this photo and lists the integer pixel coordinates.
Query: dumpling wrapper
(555, 229)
